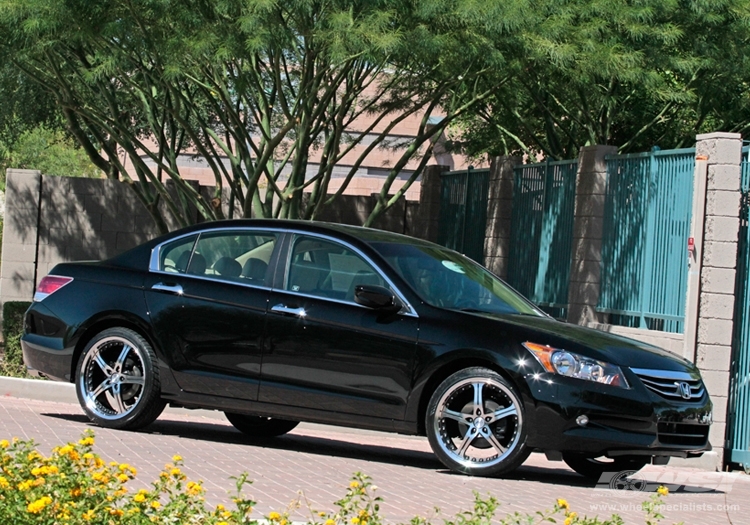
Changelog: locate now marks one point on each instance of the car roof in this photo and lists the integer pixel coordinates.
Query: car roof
(136, 256)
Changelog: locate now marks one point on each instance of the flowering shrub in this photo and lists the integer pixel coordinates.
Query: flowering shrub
(75, 486)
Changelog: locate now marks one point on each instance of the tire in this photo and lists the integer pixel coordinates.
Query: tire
(490, 445)
(260, 427)
(593, 468)
(117, 380)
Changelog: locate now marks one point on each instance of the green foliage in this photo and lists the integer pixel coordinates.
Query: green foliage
(13, 319)
(50, 151)
(74, 485)
(629, 74)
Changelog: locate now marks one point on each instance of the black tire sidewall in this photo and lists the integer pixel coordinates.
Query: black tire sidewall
(151, 387)
(510, 463)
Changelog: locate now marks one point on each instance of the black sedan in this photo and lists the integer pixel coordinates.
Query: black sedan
(276, 322)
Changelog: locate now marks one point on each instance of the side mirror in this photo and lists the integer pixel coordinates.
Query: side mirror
(376, 297)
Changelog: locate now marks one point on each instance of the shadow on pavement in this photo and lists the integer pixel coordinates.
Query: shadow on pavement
(554, 474)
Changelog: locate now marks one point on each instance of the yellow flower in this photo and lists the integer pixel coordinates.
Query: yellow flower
(122, 478)
(35, 507)
(175, 472)
(87, 441)
(363, 513)
(98, 462)
(222, 523)
(75, 492)
(139, 498)
(133, 471)
(73, 455)
(4, 443)
(220, 507)
(38, 482)
(25, 485)
(572, 515)
(226, 514)
(116, 512)
(155, 504)
(568, 521)
(273, 516)
(176, 458)
(4, 483)
(64, 451)
(193, 488)
(562, 504)
(89, 515)
(355, 521)
(123, 467)
(88, 456)
(329, 521)
(354, 484)
(662, 490)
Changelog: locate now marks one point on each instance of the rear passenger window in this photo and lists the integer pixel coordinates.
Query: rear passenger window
(327, 269)
(176, 256)
(239, 256)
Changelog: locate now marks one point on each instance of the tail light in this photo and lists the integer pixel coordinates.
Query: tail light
(49, 285)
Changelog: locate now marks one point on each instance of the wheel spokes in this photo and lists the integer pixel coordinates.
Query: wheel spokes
(457, 416)
(492, 440)
(502, 413)
(121, 358)
(132, 380)
(114, 397)
(478, 401)
(103, 386)
(105, 368)
(471, 433)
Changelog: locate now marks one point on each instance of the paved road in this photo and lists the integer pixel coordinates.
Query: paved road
(319, 461)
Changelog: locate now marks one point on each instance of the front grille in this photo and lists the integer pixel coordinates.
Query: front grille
(683, 434)
(678, 386)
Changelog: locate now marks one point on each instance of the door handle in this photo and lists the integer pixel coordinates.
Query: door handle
(284, 309)
(169, 288)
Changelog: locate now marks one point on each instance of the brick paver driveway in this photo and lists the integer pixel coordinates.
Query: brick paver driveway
(319, 461)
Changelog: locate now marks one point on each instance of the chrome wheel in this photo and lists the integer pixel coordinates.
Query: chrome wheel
(117, 381)
(475, 423)
(112, 378)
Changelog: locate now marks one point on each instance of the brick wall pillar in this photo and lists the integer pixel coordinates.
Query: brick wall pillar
(499, 212)
(588, 222)
(424, 223)
(20, 235)
(711, 288)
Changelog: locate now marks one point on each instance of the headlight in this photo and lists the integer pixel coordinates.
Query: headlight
(569, 364)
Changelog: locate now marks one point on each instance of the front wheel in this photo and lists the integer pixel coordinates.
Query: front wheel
(475, 423)
(593, 468)
(117, 380)
(260, 427)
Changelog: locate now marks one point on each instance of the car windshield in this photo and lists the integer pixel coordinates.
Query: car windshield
(444, 278)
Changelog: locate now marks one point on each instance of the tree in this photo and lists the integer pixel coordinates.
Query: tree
(630, 74)
(262, 84)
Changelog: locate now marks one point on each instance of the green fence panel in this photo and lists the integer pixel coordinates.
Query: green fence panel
(463, 211)
(648, 205)
(542, 232)
(739, 398)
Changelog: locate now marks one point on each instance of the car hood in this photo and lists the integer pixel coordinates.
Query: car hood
(604, 346)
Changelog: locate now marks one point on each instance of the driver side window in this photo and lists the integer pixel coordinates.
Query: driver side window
(325, 269)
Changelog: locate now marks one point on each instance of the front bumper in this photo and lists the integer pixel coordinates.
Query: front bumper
(620, 422)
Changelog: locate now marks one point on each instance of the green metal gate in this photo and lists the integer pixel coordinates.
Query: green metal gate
(542, 232)
(463, 211)
(739, 425)
(646, 223)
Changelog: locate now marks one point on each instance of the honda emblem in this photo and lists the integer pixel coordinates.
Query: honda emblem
(684, 389)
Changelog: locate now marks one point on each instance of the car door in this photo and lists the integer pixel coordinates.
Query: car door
(323, 350)
(207, 298)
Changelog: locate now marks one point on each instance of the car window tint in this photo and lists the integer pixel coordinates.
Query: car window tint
(176, 255)
(328, 269)
(233, 256)
(447, 279)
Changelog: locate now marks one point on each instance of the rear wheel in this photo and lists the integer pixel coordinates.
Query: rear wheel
(593, 468)
(260, 427)
(475, 423)
(117, 380)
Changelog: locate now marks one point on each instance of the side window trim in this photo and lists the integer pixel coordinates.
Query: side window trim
(408, 309)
